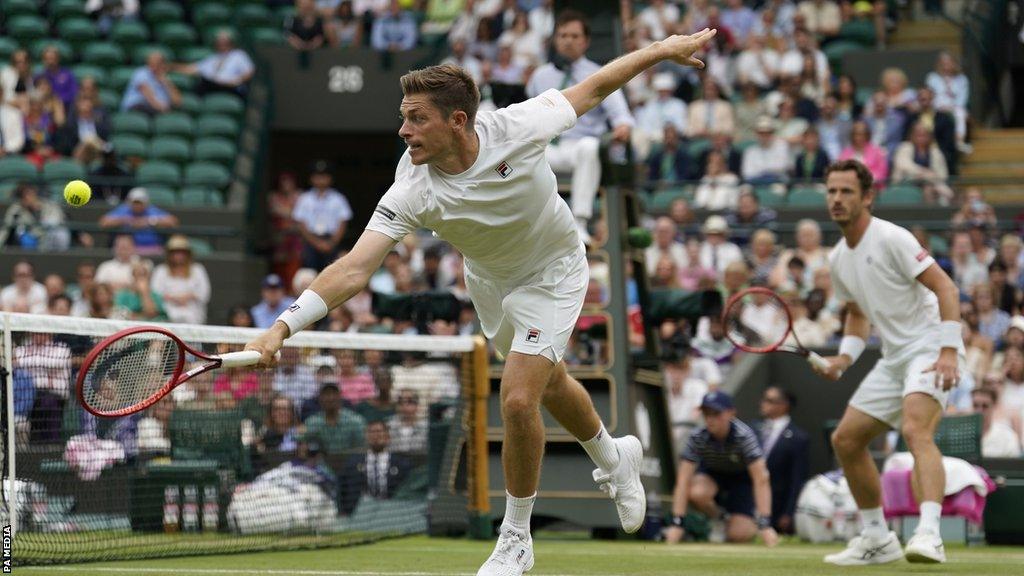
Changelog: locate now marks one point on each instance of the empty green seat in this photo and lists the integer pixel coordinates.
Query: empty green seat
(162, 195)
(806, 196)
(860, 31)
(217, 125)
(110, 99)
(27, 27)
(130, 145)
(61, 9)
(158, 172)
(160, 11)
(219, 150)
(265, 35)
(223, 104)
(698, 147)
(106, 54)
(768, 196)
(67, 53)
(83, 71)
(170, 148)
(190, 103)
(130, 33)
(130, 122)
(78, 30)
(210, 13)
(183, 82)
(141, 53)
(253, 15)
(900, 195)
(193, 53)
(284, 13)
(174, 124)
(12, 8)
(120, 77)
(63, 170)
(17, 169)
(200, 196)
(7, 47)
(662, 199)
(176, 35)
(836, 49)
(207, 174)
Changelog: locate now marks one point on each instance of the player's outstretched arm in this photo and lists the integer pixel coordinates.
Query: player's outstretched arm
(856, 332)
(680, 49)
(950, 334)
(343, 279)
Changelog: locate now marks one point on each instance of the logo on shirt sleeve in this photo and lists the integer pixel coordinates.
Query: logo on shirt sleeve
(921, 255)
(503, 169)
(388, 213)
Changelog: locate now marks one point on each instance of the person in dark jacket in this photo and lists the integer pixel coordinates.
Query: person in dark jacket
(376, 474)
(811, 162)
(669, 162)
(787, 451)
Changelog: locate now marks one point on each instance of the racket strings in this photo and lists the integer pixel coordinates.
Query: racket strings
(757, 321)
(130, 370)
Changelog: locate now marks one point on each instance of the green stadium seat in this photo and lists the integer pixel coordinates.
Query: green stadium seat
(78, 30)
(120, 77)
(61, 9)
(219, 150)
(110, 99)
(67, 53)
(217, 125)
(7, 191)
(170, 148)
(63, 170)
(806, 196)
(835, 51)
(162, 195)
(228, 104)
(11, 8)
(130, 33)
(207, 174)
(174, 124)
(193, 53)
(17, 169)
(284, 13)
(265, 35)
(140, 53)
(130, 146)
(176, 35)
(106, 54)
(129, 122)
(201, 247)
(160, 11)
(27, 27)
(211, 13)
(900, 195)
(860, 31)
(82, 71)
(698, 147)
(253, 16)
(209, 434)
(183, 82)
(768, 197)
(662, 199)
(190, 104)
(7, 47)
(200, 196)
(157, 172)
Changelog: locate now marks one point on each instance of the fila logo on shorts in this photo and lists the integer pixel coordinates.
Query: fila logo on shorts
(533, 335)
(503, 169)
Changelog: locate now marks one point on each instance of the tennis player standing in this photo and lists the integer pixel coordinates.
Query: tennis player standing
(482, 182)
(888, 280)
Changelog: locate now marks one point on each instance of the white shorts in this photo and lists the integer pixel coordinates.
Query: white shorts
(881, 393)
(535, 316)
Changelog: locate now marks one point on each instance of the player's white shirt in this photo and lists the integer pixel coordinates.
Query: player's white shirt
(880, 275)
(503, 213)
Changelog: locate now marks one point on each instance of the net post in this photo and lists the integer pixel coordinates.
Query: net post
(10, 468)
(479, 502)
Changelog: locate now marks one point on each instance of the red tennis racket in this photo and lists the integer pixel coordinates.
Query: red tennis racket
(134, 368)
(758, 320)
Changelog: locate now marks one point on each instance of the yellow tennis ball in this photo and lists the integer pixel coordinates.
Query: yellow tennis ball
(77, 193)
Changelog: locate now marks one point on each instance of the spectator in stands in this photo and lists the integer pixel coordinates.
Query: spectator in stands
(665, 245)
(952, 90)
(12, 126)
(767, 161)
(462, 58)
(106, 12)
(395, 31)
(85, 274)
(941, 123)
(666, 274)
(978, 233)
(992, 322)
(863, 150)
(117, 272)
(577, 149)
(100, 298)
(281, 430)
(721, 143)
(34, 223)
(407, 427)
(669, 162)
(294, 378)
(183, 283)
(749, 214)
(381, 406)
(660, 18)
(16, 80)
(235, 384)
(61, 79)
(762, 257)
(25, 294)
(998, 438)
(55, 286)
(1011, 252)
(719, 189)
(322, 214)
(273, 303)
(848, 106)
(240, 317)
(757, 65)
(710, 115)
(791, 127)
(659, 112)
(345, 29)
(808, 249)
(739, 19)
(685, 388)
(466, 23)
(354, 385)
(920, 161)
(144, 218)
(967, 270)
(40, 127)
(747, 111)
(378, 474)
(111, 180)
(1008, 296)
(152, 431)
(887, 123)
(821, 17)
(285, 236)
(792, 63)
(305, 29)
(833, 131)
(974, 210)
(787, 451)
(138, 301)
(717, 252)
(527, 45)
(48, 363)
(150, 89)
(812, 160)
(338, 429)
(228, 69)
(84, 134)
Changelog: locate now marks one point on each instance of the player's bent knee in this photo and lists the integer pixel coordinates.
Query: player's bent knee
(518, 405)
(917, 435)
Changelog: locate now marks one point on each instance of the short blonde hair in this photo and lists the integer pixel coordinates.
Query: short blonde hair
(449, 87)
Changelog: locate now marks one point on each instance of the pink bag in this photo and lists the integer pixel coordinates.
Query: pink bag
(898, 497)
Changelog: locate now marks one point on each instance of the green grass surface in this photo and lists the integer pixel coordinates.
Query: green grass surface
(422, 556)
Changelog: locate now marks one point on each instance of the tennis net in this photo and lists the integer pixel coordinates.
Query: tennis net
(352, 438)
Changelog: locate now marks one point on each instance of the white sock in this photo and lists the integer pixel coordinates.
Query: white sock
(874, 525)
(602, 450)
(518, 512)
(930, 514)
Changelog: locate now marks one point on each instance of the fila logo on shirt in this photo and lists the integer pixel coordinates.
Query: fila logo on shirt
(503, 169)
(533, 335)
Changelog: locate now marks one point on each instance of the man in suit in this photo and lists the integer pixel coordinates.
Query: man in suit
(943, 126)
(786, 448)
(377, 474)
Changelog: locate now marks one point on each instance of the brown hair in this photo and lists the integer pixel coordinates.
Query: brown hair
(449, 87)
(863, 174)
(569, 16)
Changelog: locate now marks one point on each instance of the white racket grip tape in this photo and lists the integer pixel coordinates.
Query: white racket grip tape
(818, 361)
(242, 359)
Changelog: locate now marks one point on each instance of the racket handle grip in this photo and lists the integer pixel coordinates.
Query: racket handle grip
(241, 359)
(818, 361)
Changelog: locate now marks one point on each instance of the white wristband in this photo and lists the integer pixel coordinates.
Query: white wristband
(852, 346)
(306, 310)
(950, 334)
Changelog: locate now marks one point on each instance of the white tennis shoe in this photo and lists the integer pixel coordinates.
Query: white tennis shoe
(513, 555)
(927, 548)
(862, 551)
(623, 484)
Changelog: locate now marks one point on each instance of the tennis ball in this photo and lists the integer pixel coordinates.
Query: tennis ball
(639, 237)
(77, 193)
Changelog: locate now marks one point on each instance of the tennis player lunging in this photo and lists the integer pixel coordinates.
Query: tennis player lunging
(888, 280)
(482, 182)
